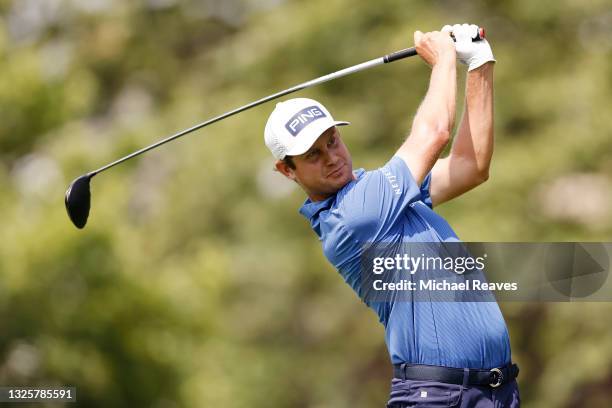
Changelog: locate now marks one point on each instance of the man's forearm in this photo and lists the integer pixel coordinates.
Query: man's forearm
(434, 119)
(437, 111)
(474, 139)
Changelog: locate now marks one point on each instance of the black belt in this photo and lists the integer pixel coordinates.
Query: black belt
(493, 377)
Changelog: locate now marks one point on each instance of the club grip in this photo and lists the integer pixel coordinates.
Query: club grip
(410, 52)
(481, 33)
(397, 55)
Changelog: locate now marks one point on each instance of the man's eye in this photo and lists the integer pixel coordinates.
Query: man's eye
(332, 141)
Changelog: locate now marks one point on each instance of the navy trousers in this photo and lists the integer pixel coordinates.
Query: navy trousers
(430, 394)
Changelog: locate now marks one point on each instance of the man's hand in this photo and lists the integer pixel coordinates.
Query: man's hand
(471, 53)
(434, 47)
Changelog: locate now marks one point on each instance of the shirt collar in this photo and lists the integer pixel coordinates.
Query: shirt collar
(311, 209)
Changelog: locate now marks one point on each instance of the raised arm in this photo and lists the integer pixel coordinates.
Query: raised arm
(469, 160)
(435, 117)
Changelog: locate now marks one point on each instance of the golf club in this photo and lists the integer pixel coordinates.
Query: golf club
(78, 195)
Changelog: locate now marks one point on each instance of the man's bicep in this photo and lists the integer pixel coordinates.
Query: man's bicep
(417, 157)
(451, 177)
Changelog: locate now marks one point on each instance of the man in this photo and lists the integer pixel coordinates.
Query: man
(444, 353)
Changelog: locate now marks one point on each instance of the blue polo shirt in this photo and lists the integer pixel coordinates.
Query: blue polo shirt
(386, 205)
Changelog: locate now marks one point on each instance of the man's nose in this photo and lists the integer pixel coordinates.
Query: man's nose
(329, 157)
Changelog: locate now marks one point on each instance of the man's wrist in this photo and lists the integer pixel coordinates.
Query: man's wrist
(482, 69)
(446, 59)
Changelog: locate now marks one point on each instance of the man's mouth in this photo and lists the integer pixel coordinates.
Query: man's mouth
(336, 172)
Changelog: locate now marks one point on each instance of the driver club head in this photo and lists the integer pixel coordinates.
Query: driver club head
(78, 200)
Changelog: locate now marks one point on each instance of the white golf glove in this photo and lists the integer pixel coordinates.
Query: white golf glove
(471, 53)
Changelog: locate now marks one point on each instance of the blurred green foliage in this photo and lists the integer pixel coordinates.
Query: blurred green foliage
(196, 283)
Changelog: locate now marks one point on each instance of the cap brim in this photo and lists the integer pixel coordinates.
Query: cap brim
(316, 130)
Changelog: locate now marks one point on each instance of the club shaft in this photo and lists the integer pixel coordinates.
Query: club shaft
(408, 52)
(395, 56)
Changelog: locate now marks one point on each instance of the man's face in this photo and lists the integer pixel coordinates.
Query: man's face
(324, 169)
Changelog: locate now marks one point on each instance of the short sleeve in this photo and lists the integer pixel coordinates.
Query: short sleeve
(425, 191)
(397, 188)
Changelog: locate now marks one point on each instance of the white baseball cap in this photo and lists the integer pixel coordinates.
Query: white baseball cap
(295, 125)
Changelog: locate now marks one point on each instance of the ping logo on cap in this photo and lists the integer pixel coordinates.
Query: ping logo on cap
(303, 118)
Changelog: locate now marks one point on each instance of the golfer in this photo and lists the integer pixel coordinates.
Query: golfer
(444, 353)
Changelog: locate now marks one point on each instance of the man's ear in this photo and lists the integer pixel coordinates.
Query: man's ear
(284, 169)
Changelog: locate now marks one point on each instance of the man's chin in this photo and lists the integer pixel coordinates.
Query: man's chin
(345, 177)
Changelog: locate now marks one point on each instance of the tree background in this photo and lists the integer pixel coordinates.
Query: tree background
(196, 282)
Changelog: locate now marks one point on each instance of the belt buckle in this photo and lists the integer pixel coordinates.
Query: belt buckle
(498, 376)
